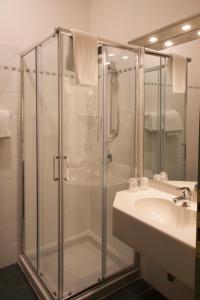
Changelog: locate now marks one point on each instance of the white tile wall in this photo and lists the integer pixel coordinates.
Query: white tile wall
(17, 34)
(10, 200)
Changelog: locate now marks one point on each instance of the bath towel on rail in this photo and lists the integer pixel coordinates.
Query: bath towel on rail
(179, 70)
(85, 57)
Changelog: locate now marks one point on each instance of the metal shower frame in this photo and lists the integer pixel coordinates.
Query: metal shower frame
(124, 276)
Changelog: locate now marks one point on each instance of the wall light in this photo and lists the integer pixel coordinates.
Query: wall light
(125, 57)
(198, 32)
(111, 54)
(153, 39)
(169, 43)
(186, 27)
(107, 63)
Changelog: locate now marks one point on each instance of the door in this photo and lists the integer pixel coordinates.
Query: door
(82, 179)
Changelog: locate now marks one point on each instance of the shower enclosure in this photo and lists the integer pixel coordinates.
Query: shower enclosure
(78, 150)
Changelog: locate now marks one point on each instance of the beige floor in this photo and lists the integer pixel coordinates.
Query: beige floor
(82, 266)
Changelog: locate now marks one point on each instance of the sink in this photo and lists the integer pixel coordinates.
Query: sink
(158, 210)
(164, 212)
(149, 221)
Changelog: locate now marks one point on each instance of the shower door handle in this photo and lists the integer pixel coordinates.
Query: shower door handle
(66, 168)
(55, 158)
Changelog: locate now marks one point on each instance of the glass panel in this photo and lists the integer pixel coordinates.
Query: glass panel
(48, 165)
(164, 147)
(119, 96)
(175, 142)
(82, 160)
(152, 116)
(30, 159)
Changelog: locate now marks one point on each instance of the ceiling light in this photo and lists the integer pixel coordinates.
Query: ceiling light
(111, 54)
(186, 27)
(125, 57)
(198, 32)
(168, 43)
(153, 39)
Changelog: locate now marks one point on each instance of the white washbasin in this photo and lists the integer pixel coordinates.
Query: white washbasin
(164, 212)
(151, 223)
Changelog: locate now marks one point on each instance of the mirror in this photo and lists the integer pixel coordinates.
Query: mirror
(171, 116)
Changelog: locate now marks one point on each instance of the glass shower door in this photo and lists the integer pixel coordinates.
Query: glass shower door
(82, 188)
(119, 148)
(30, 157)
(48, 165)
(40, 156)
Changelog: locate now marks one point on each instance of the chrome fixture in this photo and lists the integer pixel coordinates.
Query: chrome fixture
(185, 197)
(56, 189)
(109, 157)
(114, 101)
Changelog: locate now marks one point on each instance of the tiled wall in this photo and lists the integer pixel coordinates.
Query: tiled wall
(23, 24)
(10, 200)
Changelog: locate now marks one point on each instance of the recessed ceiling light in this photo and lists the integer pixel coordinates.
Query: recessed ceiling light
(125, 57)
(168, 43)
(198, 32)
(186, 27)
(153, 39)
(111, 54)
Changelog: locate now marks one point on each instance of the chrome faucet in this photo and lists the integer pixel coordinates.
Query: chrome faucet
(185, 197)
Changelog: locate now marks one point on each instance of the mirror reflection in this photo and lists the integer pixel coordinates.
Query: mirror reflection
(171, 117)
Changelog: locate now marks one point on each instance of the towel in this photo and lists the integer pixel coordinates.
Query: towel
(173, 121)
(69, 55)
(169, 70)
(179, 70)
(152, 121)
(5, 130)
(85, 57)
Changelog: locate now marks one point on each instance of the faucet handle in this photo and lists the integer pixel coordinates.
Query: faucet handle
(185, 190)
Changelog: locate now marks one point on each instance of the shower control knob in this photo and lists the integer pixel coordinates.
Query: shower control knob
(109, 157)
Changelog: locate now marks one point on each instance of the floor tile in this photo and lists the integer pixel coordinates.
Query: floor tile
(151, 295)
(10, 270)
(119, 295)
(13, 285)
(2, 292)
(24, 293)
(14, 281)
(137, 287)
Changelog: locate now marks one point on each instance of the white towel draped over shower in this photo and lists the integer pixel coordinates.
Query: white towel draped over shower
(173, 121)
(152, 121)
(85, 57)
(179, 70)
(170, 121)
